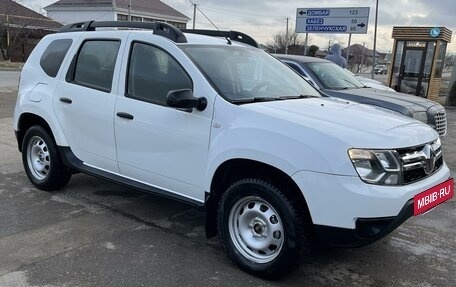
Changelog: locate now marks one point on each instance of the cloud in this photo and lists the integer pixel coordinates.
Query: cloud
(264, 18)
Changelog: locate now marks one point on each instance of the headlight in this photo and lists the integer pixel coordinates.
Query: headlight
(380, 167)
(420, 116)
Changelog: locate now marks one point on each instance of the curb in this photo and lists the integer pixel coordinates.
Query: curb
(10, 69)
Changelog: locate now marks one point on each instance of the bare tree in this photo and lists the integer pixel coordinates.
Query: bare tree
(280, 41)
(17, 24)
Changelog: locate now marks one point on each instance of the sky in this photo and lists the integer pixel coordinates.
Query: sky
(262, 19)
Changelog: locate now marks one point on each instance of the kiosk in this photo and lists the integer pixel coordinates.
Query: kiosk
(418, 59)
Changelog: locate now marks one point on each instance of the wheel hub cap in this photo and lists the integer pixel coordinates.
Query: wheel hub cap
(258, 227)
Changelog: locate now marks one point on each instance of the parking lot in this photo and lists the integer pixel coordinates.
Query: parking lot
(96, 233)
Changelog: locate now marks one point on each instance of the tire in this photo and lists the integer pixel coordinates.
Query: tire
(261, 229)
(41, 160)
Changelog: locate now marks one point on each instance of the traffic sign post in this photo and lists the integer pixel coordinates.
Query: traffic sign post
(332, 20)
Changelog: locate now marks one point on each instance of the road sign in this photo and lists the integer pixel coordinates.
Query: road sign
(332, 20)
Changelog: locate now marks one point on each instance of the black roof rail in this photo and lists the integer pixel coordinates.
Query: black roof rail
(159, 28)
(232, 35)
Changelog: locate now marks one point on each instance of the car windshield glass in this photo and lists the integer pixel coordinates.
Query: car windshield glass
(334, 77)
(244, 74)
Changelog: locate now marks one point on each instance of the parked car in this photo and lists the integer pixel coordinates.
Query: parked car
(208, 118)
(334, 81)
(380, 69)
(371, 83)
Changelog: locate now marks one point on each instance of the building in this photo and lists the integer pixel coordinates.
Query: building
(72, 11)
(21, 29)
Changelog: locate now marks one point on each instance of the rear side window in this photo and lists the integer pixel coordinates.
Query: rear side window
(95, 64)
(53, 56)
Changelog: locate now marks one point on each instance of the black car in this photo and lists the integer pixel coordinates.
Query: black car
(334, 81)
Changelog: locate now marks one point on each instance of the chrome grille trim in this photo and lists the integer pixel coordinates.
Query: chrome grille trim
(415, 162)
(441, 123)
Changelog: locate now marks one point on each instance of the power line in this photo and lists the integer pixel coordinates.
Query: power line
(207, 18)
(194, 15)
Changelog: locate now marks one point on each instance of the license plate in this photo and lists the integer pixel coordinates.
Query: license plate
(432, 197)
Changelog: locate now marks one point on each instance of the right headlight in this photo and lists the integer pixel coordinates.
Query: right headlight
(420, 116)
(380, 167)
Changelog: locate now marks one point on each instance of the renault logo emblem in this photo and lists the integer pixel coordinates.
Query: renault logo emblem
(429, 161)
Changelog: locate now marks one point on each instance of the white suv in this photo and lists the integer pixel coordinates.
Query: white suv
(216, 122)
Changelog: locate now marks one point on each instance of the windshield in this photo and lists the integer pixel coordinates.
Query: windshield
(334, 77)
(248, 74)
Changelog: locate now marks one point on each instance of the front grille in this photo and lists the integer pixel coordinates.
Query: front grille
(441, 123)
(415, 162)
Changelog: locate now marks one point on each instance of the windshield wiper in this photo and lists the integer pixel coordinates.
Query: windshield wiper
(269, 99)
(295, 97)
(252, 100)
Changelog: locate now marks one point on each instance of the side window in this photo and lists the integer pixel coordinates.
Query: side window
(152, 73)
(95, 64)
(53, 56)
(295, 67)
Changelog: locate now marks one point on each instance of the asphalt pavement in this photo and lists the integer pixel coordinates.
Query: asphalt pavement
(96, 233)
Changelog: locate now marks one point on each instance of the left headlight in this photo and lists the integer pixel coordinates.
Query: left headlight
(380, 167)
(420, 116)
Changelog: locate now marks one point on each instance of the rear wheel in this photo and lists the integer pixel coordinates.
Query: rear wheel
(41, 160)
(260, 228)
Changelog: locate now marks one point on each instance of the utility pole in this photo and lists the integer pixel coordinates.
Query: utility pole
(375, 40)
(305, 44)
(286, 38)
(362, 58)
(7, 33)
(194, 15)
(129, 11)
(348, 48)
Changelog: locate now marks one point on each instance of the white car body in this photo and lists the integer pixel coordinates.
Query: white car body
(179, 152)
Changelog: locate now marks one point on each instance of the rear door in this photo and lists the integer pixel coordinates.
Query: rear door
(85, 99)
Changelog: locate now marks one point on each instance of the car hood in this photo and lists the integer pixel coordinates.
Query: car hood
(377, 86)
(383, 98)
(354, 124)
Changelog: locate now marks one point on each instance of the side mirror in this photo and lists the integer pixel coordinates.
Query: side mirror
(184, 99)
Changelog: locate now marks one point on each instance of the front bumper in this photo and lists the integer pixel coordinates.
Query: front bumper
(346, 202)
(367, 230)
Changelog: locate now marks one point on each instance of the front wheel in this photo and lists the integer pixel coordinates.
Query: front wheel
(41, 160)
(260, 228)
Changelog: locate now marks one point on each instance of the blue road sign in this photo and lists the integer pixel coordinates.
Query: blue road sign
(352, 20)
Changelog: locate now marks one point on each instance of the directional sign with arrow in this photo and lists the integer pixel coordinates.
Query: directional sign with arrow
(332, 20)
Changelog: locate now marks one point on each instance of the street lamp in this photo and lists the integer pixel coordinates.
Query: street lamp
(375, 40)
(129, 11)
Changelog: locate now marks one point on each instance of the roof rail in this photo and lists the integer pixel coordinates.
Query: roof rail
(232, 35)
(159, 28)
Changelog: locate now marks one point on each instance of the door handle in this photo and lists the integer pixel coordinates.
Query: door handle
(125, 115)
(66, 100)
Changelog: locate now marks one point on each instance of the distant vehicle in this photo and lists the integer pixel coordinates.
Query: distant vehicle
(380, 69)
(337, 82)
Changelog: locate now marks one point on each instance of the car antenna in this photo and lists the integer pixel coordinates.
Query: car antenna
(228, 40)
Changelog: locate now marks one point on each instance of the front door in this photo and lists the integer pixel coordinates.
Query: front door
(161, 146)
